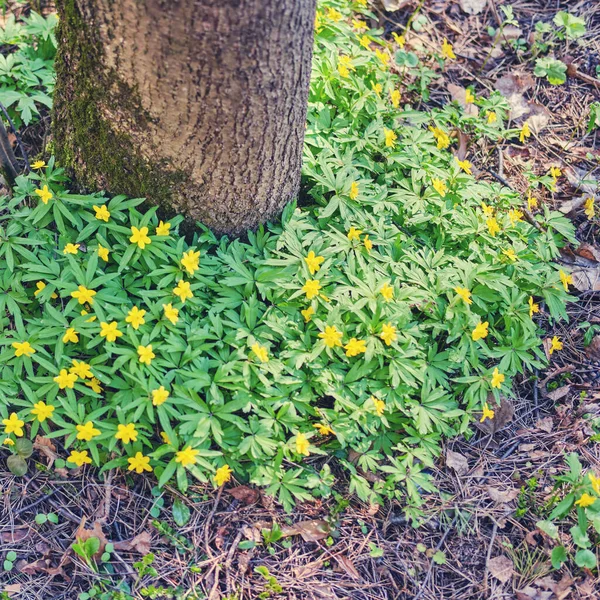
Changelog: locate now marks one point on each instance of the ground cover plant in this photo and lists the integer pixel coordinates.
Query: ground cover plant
(388, 310)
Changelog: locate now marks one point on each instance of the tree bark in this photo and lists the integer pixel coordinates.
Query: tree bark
(198, 105)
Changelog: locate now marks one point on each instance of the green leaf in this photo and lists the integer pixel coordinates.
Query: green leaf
(558, 556)
(181, 513)
(585, 559)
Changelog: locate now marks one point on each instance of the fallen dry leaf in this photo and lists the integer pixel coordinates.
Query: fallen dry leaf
(311, 531)
(546, 424)
(586, 279)
(593, 350)
(393, 5)
(459, 94)
(348, 566)
(47, 448)
(308, 570)
(501, 567)
(12, 589)
(140, 543)
(473, 7)
(502, 496)
(503, 415)
(82, 534)
(245, 494)
(458, 462)
(11, 537)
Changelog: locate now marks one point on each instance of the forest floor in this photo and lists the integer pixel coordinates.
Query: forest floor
(490, 484)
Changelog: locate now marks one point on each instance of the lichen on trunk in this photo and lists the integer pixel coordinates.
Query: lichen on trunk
(198, 106)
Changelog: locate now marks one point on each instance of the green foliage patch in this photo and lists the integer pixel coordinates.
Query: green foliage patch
(384, 315)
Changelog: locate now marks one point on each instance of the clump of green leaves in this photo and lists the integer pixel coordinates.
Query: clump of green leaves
(368, 324)
(27, 50)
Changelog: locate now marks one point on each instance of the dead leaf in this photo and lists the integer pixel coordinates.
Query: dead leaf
(12, 589)
(311, 531)
(538, 118)
(501, 567)
(546, 424)
(252, 533)
(11, 537)
(308, 570)
(47, 448)
(458, 462)
(82, 534)
(393, 5)
(502, 496)
(463, 144)
(589, 252)
(586, 279)
(580, 180)
(348, 566)
(593, 350)
(459, 94)
(512, 32)
(473, 7)
(140, 543)
(503, 415)
(512, 87)
(38, 566)
(245, 494)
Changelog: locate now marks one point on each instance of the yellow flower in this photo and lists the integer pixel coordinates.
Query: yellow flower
(302, 444)
(334, 15)
(71, 248)
(355, 347)
(488, 211)
(492, 117)
(359, 25)
(585, 500)
(364, 41)
(311, 288)
(400, 39)
(307, 313)
(313, 262)
(102, 213)
(94, 384)
(377, 88)
(42, 411)
(145, 353)
(469, 97)
(345, 66)
(110, 331)
(38, 164)
(261, 353)
(440, 187)
(383, 56)
(65, 379)
(172, 314)
(493, 226)
(79, 458)
(566, 280)
(223, 475)
(159, 396)
(515, 215)
(40, 285)
(331, 336)
(139, 463)
(387, 291)
(83, 295)
(390, 138)
(497, 378)
(525, 132)
(488, 413)
(45, 194)
(354, 234)
(163, 229)
(441, 137)
(70, 336)
(388, 333)
(136, 317)
(324, 429)
(555, 172)
(465, 165)
(447, 51)
(464, 293)
(187, 456)
(531, 201)
(368, 243)
(140, 237)
(395, 97)
(555, 344)
(23, 348)
(590, 209)
(81, 369)
(183, 290)
(126, 433)
(13, 425)
(595, 481)
(87, 431)
(190, 261)
(378, 405)
(510, 254)
(8, 442)
(480, 331)
(533, 307)
(354, 190)
(165, 438)
(103, 252)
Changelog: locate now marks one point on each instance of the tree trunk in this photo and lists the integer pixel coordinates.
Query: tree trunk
(198, 105)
